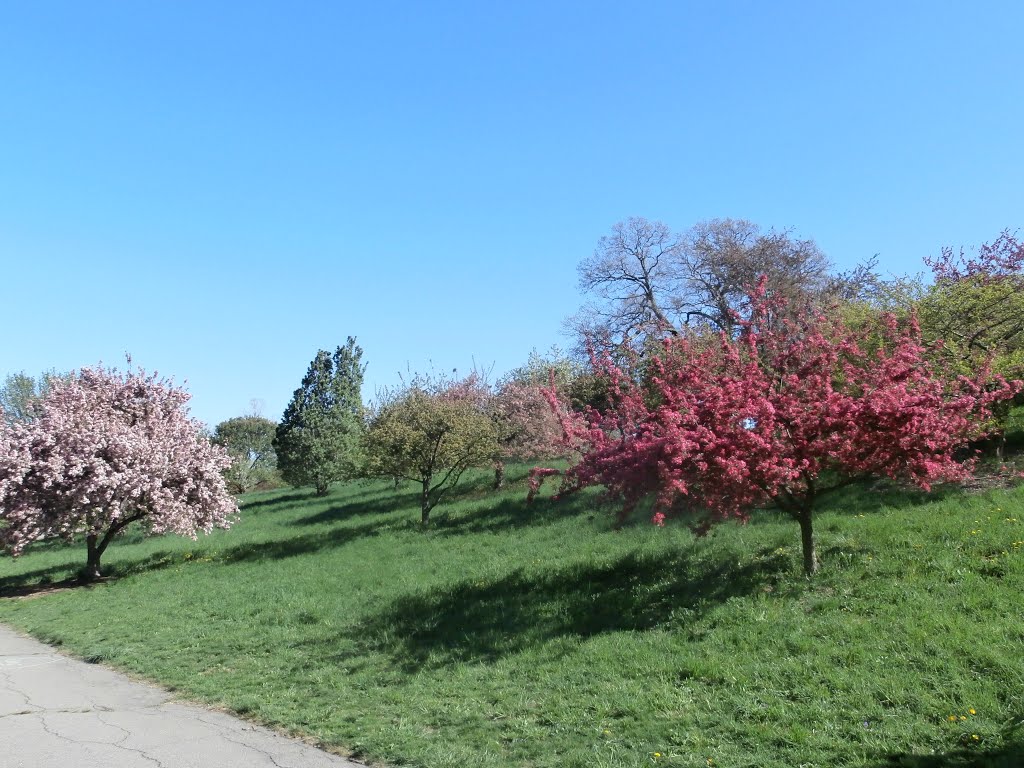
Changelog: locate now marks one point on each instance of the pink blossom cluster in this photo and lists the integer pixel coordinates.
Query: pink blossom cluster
(530, 429)
(107, 449)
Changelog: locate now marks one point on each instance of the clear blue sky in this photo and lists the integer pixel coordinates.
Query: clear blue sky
(223, 188)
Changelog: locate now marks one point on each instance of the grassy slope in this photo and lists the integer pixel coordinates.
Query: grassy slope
(538, 636)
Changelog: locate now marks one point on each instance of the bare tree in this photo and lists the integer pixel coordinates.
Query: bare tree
(633, 271)
(647, 281)
(724, 258)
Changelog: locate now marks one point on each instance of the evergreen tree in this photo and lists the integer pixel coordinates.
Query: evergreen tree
(318, 439)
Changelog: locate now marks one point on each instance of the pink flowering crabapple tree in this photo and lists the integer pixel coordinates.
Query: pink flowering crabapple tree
(106, 450)
(528, 429)
(791, 408)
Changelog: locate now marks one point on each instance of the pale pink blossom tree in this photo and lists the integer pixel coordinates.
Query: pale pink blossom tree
(106, 450)
(784, 413)
(528, 428)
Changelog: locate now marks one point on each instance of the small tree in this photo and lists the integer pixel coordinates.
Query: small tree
(527, 428)
(106, 450)
(249, 440)
(318, 439)
(782, 414)
(20, 394)
(976, 305)
(430, 432)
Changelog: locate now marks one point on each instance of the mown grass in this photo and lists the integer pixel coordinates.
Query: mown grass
(536, 636)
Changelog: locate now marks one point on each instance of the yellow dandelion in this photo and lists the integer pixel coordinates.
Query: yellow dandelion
(962, 718)
(974, 737)
(952, 718)
(971, 711)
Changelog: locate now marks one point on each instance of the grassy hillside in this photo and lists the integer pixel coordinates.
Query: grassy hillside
(539, 636)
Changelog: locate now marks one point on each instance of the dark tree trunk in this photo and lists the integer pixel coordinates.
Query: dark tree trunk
(322, 488)
(807, 539)
(499, 475)
(425, 503)
(92, 563)
(398, 482)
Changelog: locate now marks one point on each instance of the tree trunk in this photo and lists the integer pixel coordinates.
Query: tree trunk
(92, 563)
(499, 475)
(322, 488)
(398, 482)
(807, 539)
(425, 503)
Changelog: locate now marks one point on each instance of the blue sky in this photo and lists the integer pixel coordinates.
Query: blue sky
(221, 189)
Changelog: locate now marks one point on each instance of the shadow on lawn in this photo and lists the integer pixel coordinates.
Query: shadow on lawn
(478, 621)
(1010, 755)
(876, 495)
(289, 498)
(375, 505)
(513, 514)
(38, 581)
(42, 580)
(378, 501)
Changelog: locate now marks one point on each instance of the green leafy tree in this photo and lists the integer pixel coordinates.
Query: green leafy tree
(249, 441)
(976, 305)
(430, 432)
(21, 393)
(318, 439)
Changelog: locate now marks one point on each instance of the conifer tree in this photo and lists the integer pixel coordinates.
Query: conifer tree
(318, 439)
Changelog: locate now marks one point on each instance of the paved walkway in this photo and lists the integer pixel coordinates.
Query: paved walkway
(56, 712)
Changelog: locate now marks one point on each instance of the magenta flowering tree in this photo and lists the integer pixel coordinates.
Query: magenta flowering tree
(785, 412)
(106, 450)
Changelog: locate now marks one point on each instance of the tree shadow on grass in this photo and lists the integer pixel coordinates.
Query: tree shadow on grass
(288, 498)
(512, 514)
(280, 549)
(876, 495)
(43, 579)
(483, 622)
(1008, 755)
(38, 581)
(353, 508)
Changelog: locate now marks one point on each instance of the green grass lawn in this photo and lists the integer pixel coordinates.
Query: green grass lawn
(511, 635)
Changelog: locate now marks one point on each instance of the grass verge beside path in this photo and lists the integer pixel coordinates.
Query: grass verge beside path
(537, 636)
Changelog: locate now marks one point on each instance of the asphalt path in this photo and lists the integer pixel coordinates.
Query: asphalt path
(58, 712)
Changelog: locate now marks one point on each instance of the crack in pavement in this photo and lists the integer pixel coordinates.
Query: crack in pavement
(15, 689)
(52, 712)
(224, 730)
(115, 744)
(60, 711)
(127, 735)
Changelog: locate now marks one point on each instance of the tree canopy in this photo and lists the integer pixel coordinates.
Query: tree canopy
(430, 431)
(104, 450)
(249, 440)
(318, 438)
(782, 413)
(646, 281)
